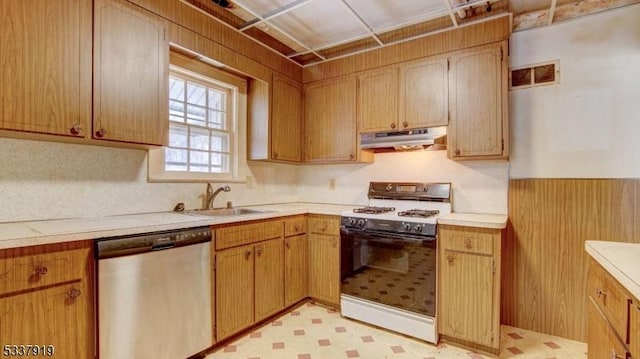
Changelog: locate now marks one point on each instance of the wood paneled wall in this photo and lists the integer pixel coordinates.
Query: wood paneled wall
(447, 41)
(544, 262)
(227, 45)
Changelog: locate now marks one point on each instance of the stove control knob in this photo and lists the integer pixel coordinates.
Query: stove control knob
(407, 226)
(417, 228)
(388, 188)
(352, 221)
(361, 223)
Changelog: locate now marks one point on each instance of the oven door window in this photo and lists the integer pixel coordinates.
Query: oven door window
(390, 270)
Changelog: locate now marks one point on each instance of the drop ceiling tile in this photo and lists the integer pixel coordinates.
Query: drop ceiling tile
(388, 14)
(279, 36)
(320, 23)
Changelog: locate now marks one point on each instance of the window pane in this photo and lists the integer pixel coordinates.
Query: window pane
(217, 99)
(177, 136)
(199, 139)
(196, 115)
(176, 108)
(175, 159)
(199, 161)
(220, 142)
(217, 120)
(219, 163)
(176, 89)
(196, 94)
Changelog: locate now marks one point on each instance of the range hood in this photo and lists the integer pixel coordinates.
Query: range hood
(408, 140)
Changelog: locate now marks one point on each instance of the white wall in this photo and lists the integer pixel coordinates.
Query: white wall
(46, 180)
(478, 186)
(587, 126)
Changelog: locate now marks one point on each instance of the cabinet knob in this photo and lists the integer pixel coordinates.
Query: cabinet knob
(351, 156)
(467, 243)
(275, 155)
(405, 124)
(296, 228)
(600, 293)
(457, 152)
(247, 254)
(75, 129)
(41, 270)
(101, 132)
(450, 259)
(393, 125)
(334, 243)
(259, 251)
(73, 293)
(288, 245)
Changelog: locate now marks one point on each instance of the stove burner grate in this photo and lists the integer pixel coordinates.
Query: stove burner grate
(423, 213)
(373, 210)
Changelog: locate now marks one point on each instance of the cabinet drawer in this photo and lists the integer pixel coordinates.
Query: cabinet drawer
(611, 298)
(471, 240)
(295, 225)
(38, 270)
(324, 224)
(241, 234)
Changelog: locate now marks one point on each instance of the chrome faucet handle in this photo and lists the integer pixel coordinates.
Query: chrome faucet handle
(229, 204)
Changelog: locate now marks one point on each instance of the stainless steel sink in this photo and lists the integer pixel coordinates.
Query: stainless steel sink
(226, 211)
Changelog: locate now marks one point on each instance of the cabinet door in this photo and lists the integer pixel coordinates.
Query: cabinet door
(601, 339)
(330, 121)
(286, 120)
(477, 94)
(466, 297)
(131, 62)
(269, 276)
(58, 317)
(45, 77)
(378, 100)
(324, 268)
(234, 290)
(424, 93)
(634, 323)
(296, 269)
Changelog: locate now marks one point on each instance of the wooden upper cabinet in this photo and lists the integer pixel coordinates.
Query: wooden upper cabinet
(286, 119)
(378, 100)
(131, 63)
(330, 120)
(45, 77)
(478, 126)
(423, 93)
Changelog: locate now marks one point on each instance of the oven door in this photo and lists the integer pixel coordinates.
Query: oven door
(397, 270)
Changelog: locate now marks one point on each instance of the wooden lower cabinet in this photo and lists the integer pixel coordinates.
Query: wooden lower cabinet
(601, 338)
(296, 264)
(46, 300)
(234, 290)
(469, 285)
(269, 274)
(324, 268)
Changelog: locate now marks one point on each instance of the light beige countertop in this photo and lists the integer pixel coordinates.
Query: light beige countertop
(20, 234)
(481, 220)
(621, 260)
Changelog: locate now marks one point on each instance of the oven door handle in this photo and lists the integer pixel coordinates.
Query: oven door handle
(385, 237)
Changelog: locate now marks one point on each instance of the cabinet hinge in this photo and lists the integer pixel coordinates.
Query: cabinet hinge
(493, 267)
(501, 54)
(215, 264)
(448, 64)
(503, 144)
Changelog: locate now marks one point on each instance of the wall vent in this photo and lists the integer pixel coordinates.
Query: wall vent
(547, 73)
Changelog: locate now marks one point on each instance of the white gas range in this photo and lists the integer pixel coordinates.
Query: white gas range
(388, 257)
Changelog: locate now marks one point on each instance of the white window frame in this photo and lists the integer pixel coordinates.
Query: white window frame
(209, 76)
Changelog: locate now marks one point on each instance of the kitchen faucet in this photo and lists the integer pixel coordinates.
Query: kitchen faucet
(211, 195)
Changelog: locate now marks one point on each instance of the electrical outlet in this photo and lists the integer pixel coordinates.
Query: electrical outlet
(332, 184)
(249, 181)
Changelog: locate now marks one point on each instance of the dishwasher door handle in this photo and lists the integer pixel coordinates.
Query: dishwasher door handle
(161, 246)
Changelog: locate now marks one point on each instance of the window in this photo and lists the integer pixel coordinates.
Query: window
(207, 125)
(201, 126)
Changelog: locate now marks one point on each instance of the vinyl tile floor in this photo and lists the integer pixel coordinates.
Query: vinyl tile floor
(315, 332)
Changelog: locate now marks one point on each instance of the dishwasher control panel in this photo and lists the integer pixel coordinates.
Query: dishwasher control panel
(145, 242)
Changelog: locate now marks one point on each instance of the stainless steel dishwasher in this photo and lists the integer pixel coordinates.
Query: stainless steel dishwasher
(154, 294)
